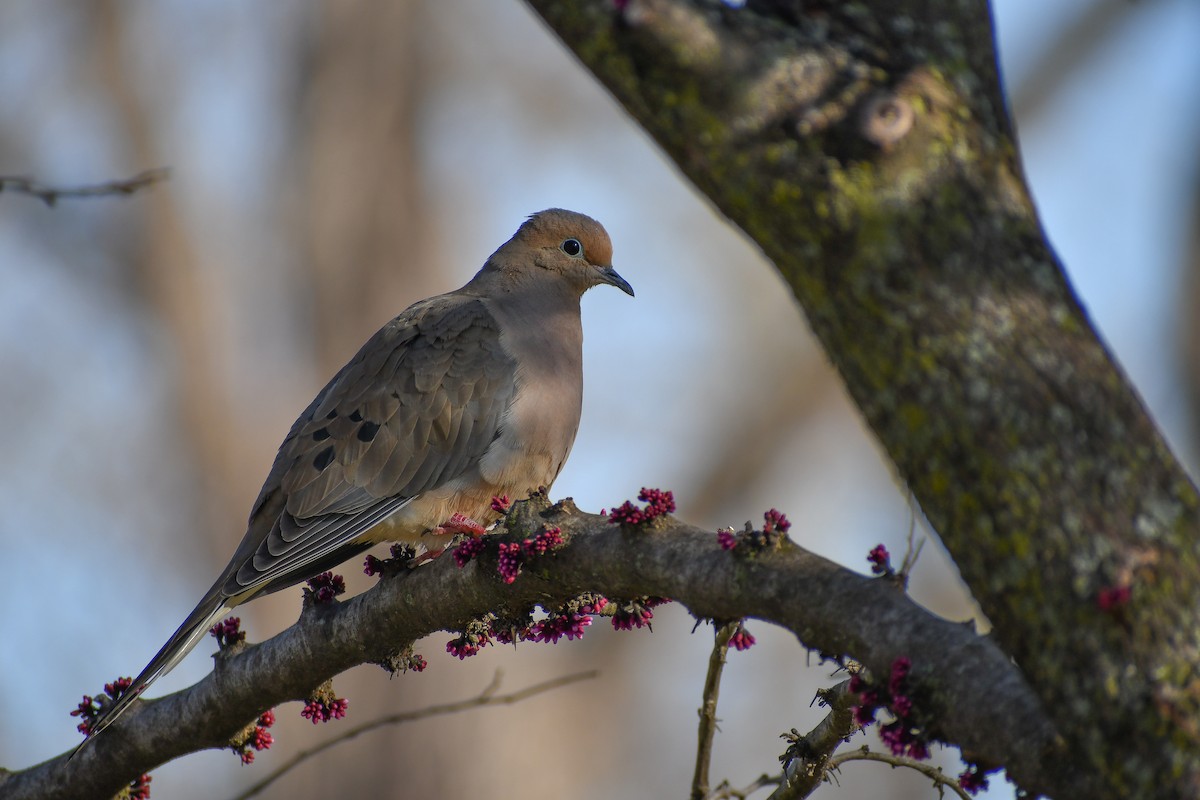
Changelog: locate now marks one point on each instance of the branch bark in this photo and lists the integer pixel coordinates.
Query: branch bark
(981, 701)
(866, 147)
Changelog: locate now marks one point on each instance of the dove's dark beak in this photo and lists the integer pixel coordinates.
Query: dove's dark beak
(609, 275)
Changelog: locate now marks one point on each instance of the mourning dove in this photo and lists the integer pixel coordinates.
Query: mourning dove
(463, 397)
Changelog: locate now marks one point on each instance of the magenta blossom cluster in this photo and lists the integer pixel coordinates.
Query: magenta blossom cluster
(259, 738)
(138, 789)
(636, 613)
(902, 736)
(413, 661)
(553, 628)
(511, 555)
(462, 648)
(973, 779)
(321, 709)
(727, 539)
(741, 639)
(751, 542)
(568, 621)
(476, 636)
(1112, 598)
(881, 560)
(511, 634)
(547, 541)
(594, 604)
(467, 551)
(509, 560)
(775, 521)
(501, 504)
(658, 503)
(228, 631)
(324, 587)
(88, 709)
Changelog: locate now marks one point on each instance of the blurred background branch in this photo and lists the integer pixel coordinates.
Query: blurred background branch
(50, 195)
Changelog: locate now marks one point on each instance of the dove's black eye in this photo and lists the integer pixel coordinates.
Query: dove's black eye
(571, 247)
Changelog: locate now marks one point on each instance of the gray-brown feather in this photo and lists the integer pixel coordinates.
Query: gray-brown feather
(416, 407)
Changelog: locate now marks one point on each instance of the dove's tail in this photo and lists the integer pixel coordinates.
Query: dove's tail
(199, 622)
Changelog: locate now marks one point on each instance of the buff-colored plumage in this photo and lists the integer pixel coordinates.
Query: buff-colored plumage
(469, 395)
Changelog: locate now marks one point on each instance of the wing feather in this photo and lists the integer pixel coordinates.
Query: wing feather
(417, 407)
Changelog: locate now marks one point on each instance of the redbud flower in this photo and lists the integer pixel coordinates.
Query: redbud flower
(461, 649)
(476, 636)
(973, 780)
(1111, 598)
(775, 521)
(321, 710)
(741, 639)
(509, 565)
(880, 560)
(138, 789)
(597, 604)
(324, 587)
(546, 541)
(658, 503)
(228, 632)
(553, 628)
(636, 613)
(88, 709)
(467, 551)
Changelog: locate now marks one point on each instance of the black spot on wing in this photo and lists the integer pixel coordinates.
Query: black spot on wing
(320, 434)
(355, 416)
(367, 431)
(323, 459)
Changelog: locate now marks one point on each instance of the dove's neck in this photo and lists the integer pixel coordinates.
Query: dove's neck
(541, 325)
(541, 330)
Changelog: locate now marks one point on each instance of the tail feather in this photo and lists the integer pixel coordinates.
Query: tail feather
(214, 606)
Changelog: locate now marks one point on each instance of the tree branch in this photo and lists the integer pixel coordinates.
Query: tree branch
(940, 779)
(50, 195)
(981, 701)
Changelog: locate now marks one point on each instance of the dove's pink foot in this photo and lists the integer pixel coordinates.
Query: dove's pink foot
(458, 523)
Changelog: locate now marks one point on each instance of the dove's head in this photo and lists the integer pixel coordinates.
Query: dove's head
(572, 247)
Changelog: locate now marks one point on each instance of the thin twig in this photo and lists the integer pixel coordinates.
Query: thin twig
(813, 753)
(726, 792)
(940, 779)
(487, 697)
(50, 195)
(708, 710)
(913, 549)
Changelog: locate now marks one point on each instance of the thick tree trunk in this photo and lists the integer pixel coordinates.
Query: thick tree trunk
(866, 147)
